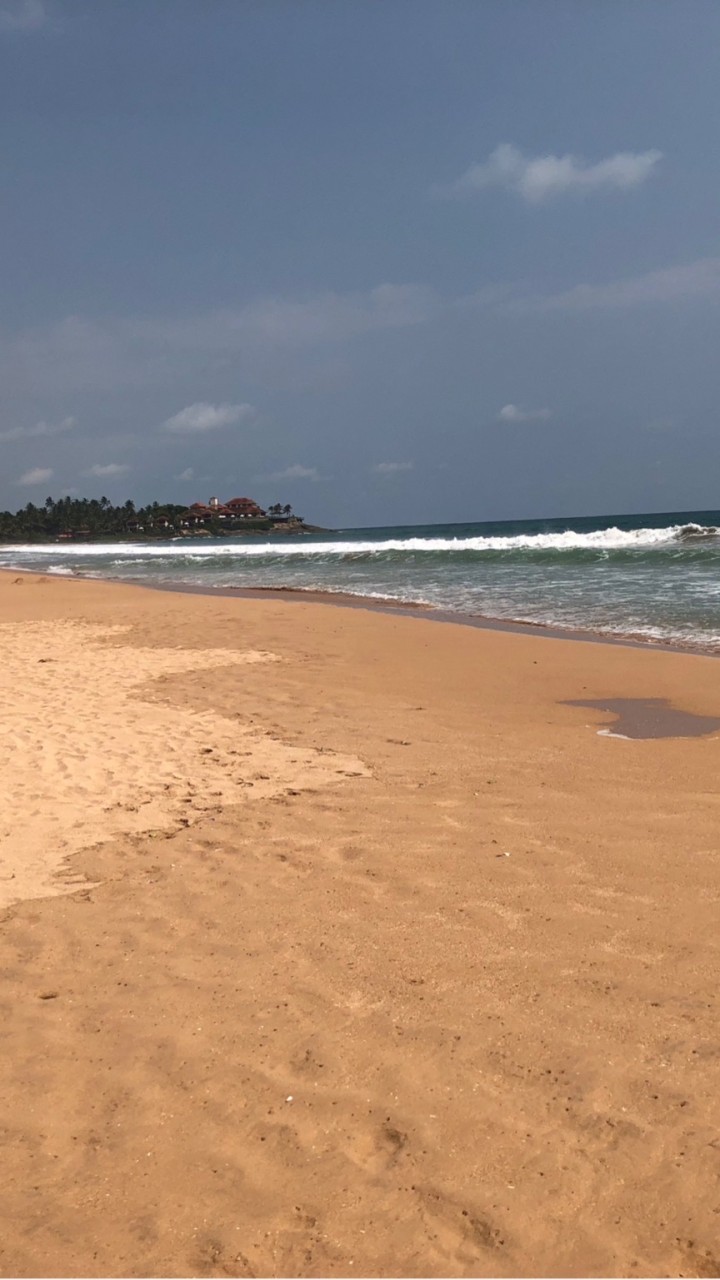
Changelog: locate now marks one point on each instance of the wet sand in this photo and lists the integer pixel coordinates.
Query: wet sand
(431, 613)
(338, 943)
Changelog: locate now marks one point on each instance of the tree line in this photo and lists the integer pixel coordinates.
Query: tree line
(98, 517)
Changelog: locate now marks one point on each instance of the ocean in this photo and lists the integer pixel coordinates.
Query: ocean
(647, 577)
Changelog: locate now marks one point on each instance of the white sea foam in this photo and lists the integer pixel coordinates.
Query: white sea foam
(654, 584)
(600, 540)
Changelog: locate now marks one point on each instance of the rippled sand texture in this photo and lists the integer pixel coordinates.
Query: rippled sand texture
(90, 752)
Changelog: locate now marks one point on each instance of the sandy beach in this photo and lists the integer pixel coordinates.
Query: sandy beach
(336, 943)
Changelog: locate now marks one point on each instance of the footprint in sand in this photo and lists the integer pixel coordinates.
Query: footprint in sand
(86, 733)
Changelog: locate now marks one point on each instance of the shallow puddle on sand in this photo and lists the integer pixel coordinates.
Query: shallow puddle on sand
(649, 718)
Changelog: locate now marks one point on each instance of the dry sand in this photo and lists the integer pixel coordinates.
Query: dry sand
(335, 944)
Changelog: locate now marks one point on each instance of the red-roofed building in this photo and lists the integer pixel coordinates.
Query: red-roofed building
(236, 509)
(198, 513)
(244, 508)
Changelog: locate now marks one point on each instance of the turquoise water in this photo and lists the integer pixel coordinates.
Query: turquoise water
(654, 577)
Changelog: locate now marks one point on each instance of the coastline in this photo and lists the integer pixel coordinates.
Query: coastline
(388, 605)
(652, 584)
(433, 613)
(412, 971)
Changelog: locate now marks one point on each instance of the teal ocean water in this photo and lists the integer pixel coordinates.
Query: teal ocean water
(653, 577)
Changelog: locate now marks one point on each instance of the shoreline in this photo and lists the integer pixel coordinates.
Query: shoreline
(390, 606)
(435, 613)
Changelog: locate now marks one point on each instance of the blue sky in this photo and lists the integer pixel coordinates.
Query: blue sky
(391, 261)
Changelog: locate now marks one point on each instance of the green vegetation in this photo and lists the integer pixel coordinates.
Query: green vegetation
(92, 518)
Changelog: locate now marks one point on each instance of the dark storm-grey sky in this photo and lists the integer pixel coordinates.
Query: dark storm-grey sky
(407, 261)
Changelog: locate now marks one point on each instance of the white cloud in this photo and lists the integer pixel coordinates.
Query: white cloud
(104, 471)
(207, 417)
(539, 178)
(256, 338)
(392, 468)
(699, 279)
(514, 413)
(272, 323)
(332, 316)
(39, 429)
(187, 474)
(489, 297)
(296, 472)
(23, 15)
(38, 475)
(279, 339)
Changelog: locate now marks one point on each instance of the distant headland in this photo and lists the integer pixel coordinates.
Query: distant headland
(96, 519)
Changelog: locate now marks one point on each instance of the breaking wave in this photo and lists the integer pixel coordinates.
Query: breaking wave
(613, 539)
